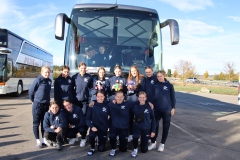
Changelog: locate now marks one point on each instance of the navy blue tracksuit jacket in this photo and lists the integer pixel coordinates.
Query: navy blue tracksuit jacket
(149, 122)
(50, 119)
(164, 97)
(62, 89)
(147, 85)
(81, 86)
(105, 85)
(97, 116)
(75, 117)
(119, 114)
(40, 90)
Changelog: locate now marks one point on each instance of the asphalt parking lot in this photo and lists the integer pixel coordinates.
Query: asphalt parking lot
(205, 127)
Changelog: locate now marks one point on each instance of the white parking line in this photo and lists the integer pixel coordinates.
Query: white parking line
(199, 105)
(183, 130)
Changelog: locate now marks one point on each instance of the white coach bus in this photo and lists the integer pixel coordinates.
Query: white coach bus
(20, 62)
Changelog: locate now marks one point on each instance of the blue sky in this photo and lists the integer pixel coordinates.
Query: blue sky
(209, 29)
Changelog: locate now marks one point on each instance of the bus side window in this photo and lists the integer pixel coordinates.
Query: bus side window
(9, 68)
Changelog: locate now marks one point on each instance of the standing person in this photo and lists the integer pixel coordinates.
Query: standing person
(98, 122)
(75, 122)
(39, 94)
(62, 87)
(147, 83)
(102, 57)
(134, 87)
(100, 83)
(164, 102)
(117, 83)
(143, 125)
(55, 125)
(81, 85)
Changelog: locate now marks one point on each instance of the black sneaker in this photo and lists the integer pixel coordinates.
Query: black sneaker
(59, 146)
(90, 152)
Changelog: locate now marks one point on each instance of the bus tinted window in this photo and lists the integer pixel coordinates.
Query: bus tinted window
(14, 44)
(3, 38)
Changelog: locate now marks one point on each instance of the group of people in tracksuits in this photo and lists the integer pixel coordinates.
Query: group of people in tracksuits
(122, 109)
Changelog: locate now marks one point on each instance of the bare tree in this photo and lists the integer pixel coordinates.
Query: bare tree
(229, 69)
(185, 69)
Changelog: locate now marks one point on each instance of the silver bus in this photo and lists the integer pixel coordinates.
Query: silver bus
(20, 62)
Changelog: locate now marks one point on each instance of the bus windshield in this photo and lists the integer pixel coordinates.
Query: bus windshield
(3, 38)
(3, 73)
(110, 37)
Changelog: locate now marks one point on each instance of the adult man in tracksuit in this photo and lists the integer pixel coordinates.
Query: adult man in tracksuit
(164, 106)
(39, 94)
(75, 121)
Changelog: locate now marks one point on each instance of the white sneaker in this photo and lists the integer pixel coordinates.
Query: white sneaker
(83, 142)
(152, 146)
(72, 141)
(161, 147)
(112, 152)
(130, 138)
(134, 153)
(39, 145)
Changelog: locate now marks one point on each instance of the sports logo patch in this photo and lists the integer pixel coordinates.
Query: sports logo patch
(57, 118)
(146, 111)
(165, 88)
(69, 81)
(85, 80)
(104, 109)
(123, 107)
(152, 81)
(75, 116)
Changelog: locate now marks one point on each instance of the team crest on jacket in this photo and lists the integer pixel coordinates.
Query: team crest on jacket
(121, 81)
(57, 118)
(104, 109)
(122, 107)
(85, 80)
(152, 81)
(146, 111)
(165, 88)
(75, 116)
(49, 82)
(69, 81)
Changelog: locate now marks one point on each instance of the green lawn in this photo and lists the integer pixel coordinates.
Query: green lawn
(214, 89)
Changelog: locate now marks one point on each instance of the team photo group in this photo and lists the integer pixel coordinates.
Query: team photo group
(115, 109)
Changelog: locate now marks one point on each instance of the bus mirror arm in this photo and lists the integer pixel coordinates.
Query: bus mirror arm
(174, 30)
(60, 20)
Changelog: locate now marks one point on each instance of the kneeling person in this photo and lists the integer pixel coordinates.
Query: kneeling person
(76, 123)
(97, 121)
(55, 125)
(143, 125)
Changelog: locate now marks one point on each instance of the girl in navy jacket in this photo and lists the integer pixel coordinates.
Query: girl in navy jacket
(103, 84)
(76, 123)
(62, 87)
(134, 87)
(164, 108)
(147, 83)
(98, 122)
(39, 94)
(117, 83)
(143, 124)
(55, 125)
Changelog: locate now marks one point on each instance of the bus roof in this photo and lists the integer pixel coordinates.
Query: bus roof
(119, 6)
(24, 40)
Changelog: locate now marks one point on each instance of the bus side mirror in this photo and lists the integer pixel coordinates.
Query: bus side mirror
(5, 50)
(174, 30)
(60, 20)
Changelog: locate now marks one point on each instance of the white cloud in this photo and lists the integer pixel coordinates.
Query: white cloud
(189, 5)
(207, 52)
(234, 18)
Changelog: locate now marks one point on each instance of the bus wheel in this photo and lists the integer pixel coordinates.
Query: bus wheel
(19, 89)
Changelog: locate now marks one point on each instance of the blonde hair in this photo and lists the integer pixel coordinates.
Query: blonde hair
(138, 77)
(45, 67)
(142, 93)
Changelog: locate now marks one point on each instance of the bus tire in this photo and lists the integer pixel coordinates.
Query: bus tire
(19, 89)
